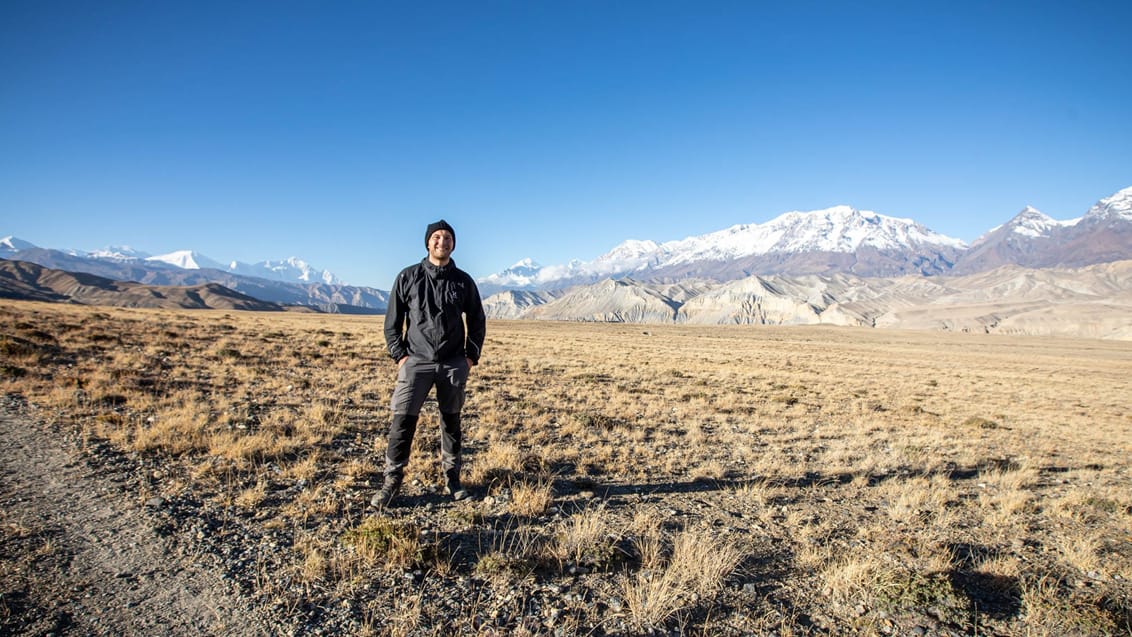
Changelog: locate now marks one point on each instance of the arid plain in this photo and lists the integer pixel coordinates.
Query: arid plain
(628, 479)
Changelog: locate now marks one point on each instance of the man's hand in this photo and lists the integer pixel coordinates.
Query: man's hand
(402, 361)
(471, 363)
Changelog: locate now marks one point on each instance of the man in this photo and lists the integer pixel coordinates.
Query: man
(425, 334)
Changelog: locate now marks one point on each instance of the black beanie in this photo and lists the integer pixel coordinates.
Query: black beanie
(439, 225)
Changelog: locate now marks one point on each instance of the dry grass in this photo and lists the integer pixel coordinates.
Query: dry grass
(710, 480)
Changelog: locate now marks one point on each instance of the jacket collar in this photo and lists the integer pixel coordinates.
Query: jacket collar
(438, 271)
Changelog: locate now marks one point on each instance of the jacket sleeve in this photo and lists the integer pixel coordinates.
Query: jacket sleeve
(395, 315)
(477, 324)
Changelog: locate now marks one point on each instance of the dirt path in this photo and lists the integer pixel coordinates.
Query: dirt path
(78, 555)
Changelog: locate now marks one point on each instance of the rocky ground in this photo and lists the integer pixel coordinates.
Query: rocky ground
(84, 551)
(191, 473)
(79, 556)
(87, 549)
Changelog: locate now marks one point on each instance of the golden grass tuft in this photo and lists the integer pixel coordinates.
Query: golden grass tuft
(699, 563)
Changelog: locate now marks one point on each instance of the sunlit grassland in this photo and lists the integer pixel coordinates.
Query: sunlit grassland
(805, 479)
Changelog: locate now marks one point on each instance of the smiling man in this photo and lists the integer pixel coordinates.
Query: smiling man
(425, 333)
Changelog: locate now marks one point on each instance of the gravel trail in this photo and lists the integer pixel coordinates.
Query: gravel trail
(78, 555)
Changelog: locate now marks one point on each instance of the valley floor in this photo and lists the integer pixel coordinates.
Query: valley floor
(174, 472)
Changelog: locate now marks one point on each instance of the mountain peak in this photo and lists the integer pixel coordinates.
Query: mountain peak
(796, 235)
(526, 263)
(291, 269)
(119, 253)
(844, 229)
(523, 273)
(14, 244)
(630, 249)
(1117, 206)
(187, 260)
(1032, 222)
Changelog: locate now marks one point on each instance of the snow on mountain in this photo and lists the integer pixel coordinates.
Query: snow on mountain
(15, 244)
(291, 269)
(1031, 222)
(627, 256)
(1118, 206)
(187, 260)
(840, 229)
(525, 267)
(629, 251)
(119, 253)
(522, 274)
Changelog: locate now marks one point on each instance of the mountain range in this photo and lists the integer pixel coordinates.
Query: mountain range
(840, 265)
(845, 240)
(1092, 302)
(33, 282)
(286, 282)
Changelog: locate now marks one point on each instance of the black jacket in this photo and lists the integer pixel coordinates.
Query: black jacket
(427, 309)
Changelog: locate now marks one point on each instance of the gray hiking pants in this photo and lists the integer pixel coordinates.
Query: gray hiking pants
(414, 381)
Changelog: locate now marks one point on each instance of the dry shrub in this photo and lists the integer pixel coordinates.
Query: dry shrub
(1052, 608)
(248, 499)
(531, 500)
(176, 431)
(697, 569)
(514, 552)
(499, 464)
(306, 468)
(585, 539)
(870, 581)
(1082, 551)
(313, 559)
(382, 541)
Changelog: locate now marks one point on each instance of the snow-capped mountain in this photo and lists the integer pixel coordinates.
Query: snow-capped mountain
(289, 281)
(523, 273)
(1034, 240)
(1118, 207)
(838, 238)
(14, 244)
(1017, 241)
(1031, 222)
(187, 260)
(839, 229)
(847, 240)
(119, 253)
(291, 269)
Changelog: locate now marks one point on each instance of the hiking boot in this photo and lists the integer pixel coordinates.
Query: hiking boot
(454, 489)
(383, 499)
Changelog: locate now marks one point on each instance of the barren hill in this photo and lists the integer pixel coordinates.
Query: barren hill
(1093, 302)
(29, 281)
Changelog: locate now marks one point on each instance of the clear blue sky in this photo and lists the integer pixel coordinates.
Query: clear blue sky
(336, 131)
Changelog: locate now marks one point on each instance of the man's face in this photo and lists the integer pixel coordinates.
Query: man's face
(440, 245)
